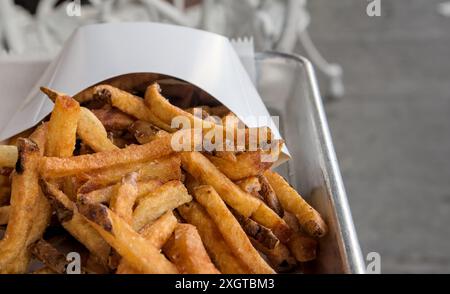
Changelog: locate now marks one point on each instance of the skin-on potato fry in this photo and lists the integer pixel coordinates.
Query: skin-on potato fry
(54, 167)
(93, 133)
(167, 197)
(74, 223)
(201, 168)
(185, 249)
(213, 240)
(62, 127)
(39, 136)
(156, 234)
(113, 119)
(139, 253)
(50, 256)
(231, 230)
(4, 215)
(302, 246)
(145, 132)
(279, 257)
(269, 196)
(24, 194)
(104, 195)
(248, 164)
(309, 219)
(259, 233)
(251, 185)
(129, 104)
(8, 156)
(122, 201)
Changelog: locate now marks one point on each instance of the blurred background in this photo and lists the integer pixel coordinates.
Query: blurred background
(385, 77)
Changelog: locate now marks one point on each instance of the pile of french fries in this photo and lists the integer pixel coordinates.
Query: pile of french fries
(99, 177)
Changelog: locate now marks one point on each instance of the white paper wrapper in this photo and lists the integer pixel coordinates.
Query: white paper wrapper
(98, 52)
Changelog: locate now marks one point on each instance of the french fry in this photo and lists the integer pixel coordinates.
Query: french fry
(8, 156)
(257, 232)
(156, 234)
(129, 104)
(145, 258)
(50, 256)
(231, 230)
(74, 223)
(19, 265)
(185, 249)
(269, 196)
(122, 201)
(226, 155)
(39, 136)
(24, 193)
(167, 197)
(203, 170)
(251, 185)
(62, 127)
(5, 195)
(93, 133)
(268, 218)
(302, 246)
(145, 132)
(113, 119)
(44, 271)
(309, 219)
(279, 257)
(104, 195)
(4, 214)
(54, 167)
(218, 250)
(248, 164)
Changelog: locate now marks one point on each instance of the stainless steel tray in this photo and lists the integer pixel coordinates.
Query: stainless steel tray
(288, 86)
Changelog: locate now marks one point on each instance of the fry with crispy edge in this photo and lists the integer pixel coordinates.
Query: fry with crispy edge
(24, 195)
(145, 132)
(248, 206)
(251, 185)
(156, 234)
(129, 104)
(93, 133)
(231, 230)
(218, 250)
(8, 156)
(185, 249)
(54, 167)
(122, 201)
(75, 223)
(50, 256)
(279, 257)
(167, 197)
(309, 219)
(128, 243)
(269, 196)
(302, 246)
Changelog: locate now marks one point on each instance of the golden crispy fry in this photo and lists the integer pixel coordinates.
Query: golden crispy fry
(113, 119)
(129, 104)
(39, 136)
(269, 196)
(122, 201)
(93, 133)
(74, 223)
(268, 218)
(167, 197)
(185, 249)
(19, 265)
(50, 256)
(302, 246)
(279, 257)
(226, 155)
(251, 185)
(258, 232)
(8, 156)
(53, 167)
(145, 132)
(62, 127)
(248, 164)
(24, 194)
(231, 230)
(310, 220)
(139, 253)
(156, 234)
(204, 171)
(215, 244)
(104, 195)
(4, 214)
